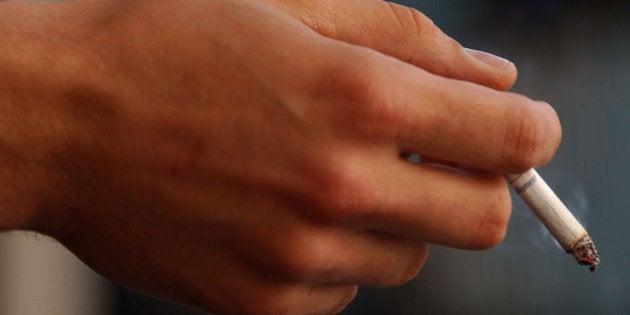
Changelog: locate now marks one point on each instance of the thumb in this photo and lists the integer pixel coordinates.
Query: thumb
(403, 33)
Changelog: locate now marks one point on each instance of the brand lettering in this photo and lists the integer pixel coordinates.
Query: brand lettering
(527, 184)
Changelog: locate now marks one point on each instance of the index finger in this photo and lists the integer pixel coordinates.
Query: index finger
(446, 119)
(479, 127)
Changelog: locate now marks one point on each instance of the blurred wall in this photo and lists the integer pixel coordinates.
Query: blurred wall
(38, 276)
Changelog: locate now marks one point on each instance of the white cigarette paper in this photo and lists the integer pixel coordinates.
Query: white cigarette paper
(560, 222)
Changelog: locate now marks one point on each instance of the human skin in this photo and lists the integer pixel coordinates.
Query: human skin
(247, 157)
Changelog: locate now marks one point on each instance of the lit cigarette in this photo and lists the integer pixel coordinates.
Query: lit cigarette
(564, 227)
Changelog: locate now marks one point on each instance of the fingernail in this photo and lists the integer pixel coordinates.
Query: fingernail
(489, 59)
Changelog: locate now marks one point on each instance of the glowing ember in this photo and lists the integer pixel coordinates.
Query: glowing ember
(586, 254)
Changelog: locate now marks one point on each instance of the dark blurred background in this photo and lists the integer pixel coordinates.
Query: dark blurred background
(574, 55)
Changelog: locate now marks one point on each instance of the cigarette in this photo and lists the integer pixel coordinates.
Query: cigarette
(550, 210)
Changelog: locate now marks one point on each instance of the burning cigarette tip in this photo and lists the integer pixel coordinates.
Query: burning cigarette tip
(586, 254)
(564, 227)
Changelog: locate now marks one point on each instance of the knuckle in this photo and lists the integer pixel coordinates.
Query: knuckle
(349, 81)
(358, 94)
(414, 266)
(426, 34)
(343, 191)
(527, 143)
(302, 257)
(344, 299)
(493, 224)
(410, 18)
(553, 132)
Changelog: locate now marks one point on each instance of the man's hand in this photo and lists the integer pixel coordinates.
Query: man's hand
(403, 33)
(245, 157)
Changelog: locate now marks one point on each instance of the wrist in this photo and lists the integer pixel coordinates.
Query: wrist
(34, 68)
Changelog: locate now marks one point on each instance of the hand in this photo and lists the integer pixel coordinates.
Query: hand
(403, 33)
(225, 155)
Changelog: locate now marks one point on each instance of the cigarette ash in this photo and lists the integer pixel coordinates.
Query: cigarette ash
(586, 254)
